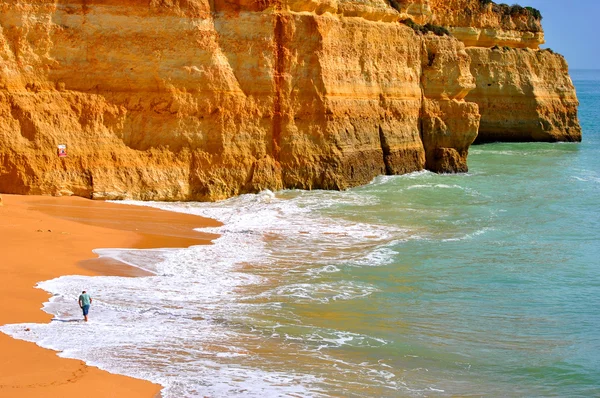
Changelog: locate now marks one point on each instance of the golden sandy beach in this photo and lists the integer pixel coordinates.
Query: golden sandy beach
(44, 238)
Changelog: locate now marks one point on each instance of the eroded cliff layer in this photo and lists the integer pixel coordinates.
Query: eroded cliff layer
(206, 99)
(523, 93)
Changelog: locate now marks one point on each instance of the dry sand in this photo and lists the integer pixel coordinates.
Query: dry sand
(43, 238)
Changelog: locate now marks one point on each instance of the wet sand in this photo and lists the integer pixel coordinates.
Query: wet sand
(43, 238)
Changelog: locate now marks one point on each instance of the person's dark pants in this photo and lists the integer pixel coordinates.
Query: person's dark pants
(86, 309)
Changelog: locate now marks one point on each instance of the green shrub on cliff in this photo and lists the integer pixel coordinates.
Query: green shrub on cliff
(514, 10)
(395, 5)
(436, 29)
(535, 13)
(424, 29)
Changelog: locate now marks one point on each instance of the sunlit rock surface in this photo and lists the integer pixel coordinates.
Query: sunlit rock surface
(203, 100)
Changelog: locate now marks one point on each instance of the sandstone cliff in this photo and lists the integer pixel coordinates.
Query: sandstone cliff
(523, 94)
(205, 99)
(208, 99)
(478, 24)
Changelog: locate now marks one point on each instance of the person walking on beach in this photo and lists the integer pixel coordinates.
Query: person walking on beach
(84, 303)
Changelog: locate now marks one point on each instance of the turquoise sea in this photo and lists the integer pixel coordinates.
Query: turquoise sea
(477, 284)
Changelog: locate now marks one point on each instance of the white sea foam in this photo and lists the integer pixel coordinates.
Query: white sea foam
(384, 179)
(468, 236)
(488, 151)
(436, 187)
(193, 326)
(587, 176)
(321, 292)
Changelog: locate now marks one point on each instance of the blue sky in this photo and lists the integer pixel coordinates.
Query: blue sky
(572, 28)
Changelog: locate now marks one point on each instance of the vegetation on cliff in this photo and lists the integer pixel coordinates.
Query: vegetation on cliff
(424, 29)
(514, 10)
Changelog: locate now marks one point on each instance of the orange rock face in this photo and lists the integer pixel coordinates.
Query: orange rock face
(449, 124)
(203, 100)
(475, 24)
(524, 95)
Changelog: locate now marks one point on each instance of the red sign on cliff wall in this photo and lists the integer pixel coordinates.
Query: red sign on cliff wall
(62, 151)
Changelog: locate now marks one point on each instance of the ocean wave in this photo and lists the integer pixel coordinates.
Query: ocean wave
(320, 292)
(386, 180)
(210, 294)
(468, 236)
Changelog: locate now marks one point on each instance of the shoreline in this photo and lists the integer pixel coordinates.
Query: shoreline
(47, 237)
